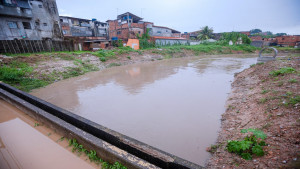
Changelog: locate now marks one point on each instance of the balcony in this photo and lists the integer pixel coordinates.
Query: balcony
(15, 12)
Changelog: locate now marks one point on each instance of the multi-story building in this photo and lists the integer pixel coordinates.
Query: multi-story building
(82, 27)
(29, 20)
(86, 34)
(128, 26)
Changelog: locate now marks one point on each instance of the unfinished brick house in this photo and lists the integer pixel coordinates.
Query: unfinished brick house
(86, 34)
(288, 40)
(29, 20)
(128, 25)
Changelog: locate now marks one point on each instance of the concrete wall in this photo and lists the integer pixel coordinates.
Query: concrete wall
(42, 16)
(7, 33)
(165, 42)
(159, 31)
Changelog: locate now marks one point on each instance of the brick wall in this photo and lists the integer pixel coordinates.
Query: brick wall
(288, 40)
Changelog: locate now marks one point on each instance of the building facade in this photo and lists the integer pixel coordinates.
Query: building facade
(78, 27)
(129, 26)
(86, 34)
(29, 20)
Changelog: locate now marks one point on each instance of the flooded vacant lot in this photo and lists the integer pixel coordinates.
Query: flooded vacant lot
(174, 105)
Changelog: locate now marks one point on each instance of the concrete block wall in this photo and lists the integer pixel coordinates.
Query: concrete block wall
(43, 22)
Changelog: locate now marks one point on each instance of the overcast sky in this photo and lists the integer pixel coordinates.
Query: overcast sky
(190, 15)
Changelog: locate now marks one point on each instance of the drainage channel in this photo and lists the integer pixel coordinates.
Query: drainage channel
(110, 145)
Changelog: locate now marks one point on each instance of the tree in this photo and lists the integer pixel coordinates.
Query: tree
(234, 37)
(254, 31)
(269, 33)
(280, 34)
(206, 33)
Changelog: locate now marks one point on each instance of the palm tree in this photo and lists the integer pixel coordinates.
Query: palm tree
(206, 33)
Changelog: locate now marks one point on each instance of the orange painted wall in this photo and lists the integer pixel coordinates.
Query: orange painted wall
(133, 43)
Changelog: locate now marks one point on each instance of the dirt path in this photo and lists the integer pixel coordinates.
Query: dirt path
(270, 103)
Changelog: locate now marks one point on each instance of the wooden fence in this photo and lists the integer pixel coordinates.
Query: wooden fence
(34, 46)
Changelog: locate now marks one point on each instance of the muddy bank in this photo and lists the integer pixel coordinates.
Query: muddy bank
(266, 102)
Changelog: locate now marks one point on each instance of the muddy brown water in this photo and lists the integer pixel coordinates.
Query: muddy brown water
(24, 146)
(174, 105)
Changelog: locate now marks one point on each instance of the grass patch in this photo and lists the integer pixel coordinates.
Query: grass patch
(17, 74)
(263, 100)
(114, 64)
(282, 71)
(92, 155)
(293, 81)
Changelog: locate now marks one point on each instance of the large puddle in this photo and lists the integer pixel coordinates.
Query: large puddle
(24, 146)
(174, 105)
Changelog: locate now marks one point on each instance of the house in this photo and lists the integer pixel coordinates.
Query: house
(129, 26)
(246, 33)
(29, 20)
(86, 34)
(288, 40)
(126, 26)
(162, 31)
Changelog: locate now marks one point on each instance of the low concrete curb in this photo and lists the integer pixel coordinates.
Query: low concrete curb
(110, 145)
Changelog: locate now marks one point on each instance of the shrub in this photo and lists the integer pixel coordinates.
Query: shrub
(249, 146)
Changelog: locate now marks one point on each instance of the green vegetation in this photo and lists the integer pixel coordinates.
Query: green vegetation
(264, 91)
(209, 48)
(293, 100)
(253, 31)
(263, 100)
(104, 55)
(249, 146)
(18, 74)
(282, 71)
(144, 40)
(293, 81)
(234, 37)
(114, 64)
(206, 33)
(92, 155)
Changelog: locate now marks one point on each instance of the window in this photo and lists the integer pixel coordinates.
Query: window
(45, 24)
(26, 25)
(139, 32)
(119, 32)
(12, 25)
(158, 31)
(37, 24)
(61, 20)
(166, 30)
(40, 6)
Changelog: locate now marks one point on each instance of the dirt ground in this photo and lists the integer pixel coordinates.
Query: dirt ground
(259, 100)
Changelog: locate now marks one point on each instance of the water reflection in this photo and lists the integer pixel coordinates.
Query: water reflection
(174, 105)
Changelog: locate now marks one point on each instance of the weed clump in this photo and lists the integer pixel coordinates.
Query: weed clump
(92, 154)
(249, 146)
(282, 71)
